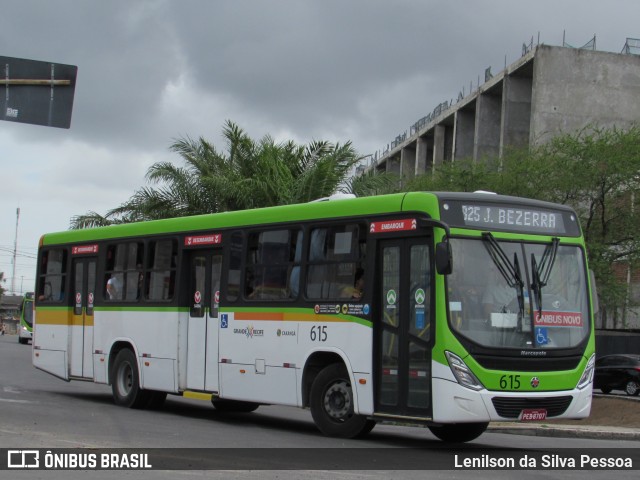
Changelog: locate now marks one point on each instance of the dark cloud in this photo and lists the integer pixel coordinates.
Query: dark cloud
(150, 71)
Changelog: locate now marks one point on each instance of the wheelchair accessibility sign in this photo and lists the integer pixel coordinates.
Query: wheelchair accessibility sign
(542, 336)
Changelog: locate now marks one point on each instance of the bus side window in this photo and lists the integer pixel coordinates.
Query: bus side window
(161, 270)
(52, 275)
(234, 269)
(271, 259)
(336, 260)
(124, 277)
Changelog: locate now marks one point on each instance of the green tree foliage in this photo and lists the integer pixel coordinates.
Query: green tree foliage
(249, 174)
(2, 280)
(596, 171)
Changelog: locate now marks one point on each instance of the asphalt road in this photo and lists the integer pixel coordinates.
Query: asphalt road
(40, 411)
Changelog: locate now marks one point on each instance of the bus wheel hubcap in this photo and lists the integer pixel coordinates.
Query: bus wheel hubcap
(124, 379)
(337, 400)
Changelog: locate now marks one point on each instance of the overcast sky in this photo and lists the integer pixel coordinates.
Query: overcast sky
(152, 71)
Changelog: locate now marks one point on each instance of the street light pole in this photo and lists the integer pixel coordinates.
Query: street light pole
(15, 253)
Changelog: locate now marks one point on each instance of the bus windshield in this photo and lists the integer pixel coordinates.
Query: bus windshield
(508, 294)
(27, 312)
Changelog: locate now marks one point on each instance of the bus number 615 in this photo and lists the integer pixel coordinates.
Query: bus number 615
(512, 382)
(318, 333)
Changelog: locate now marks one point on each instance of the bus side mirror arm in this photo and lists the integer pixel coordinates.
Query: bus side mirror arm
(594, 293)
(444, 263)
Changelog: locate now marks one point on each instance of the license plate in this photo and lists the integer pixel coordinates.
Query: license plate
(533, 415)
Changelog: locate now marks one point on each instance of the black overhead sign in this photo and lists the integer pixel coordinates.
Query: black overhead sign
(39, 93)
(510, 217)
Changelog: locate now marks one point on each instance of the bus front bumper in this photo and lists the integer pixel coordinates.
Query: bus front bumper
(453, 403)
(25, 334)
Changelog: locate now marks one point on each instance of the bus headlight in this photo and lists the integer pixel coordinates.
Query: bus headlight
(463, 374)
(587, 376)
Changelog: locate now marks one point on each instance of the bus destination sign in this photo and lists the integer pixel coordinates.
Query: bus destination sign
(393, 225)
(84, 249)
(207, 239)
(516, 218)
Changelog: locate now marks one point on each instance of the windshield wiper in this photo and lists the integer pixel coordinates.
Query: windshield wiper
(510, 271)
(541, 273)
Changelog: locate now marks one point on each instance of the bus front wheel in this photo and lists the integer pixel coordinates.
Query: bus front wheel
(459, 432)
(125, 383)
(332, 405)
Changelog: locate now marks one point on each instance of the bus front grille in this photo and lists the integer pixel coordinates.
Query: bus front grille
(537, 364)
(509, 407)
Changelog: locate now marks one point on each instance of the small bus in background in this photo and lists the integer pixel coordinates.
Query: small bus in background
(25, 327)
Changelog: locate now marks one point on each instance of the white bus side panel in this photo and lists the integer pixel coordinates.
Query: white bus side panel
(159, 374)
(363, 393)
(154, 337)
(100, 367)
(244, 382)
(51, 361)
(50, 348)
(52, 337)
(281, 345)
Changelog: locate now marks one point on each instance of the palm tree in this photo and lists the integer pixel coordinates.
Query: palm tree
(250, 174)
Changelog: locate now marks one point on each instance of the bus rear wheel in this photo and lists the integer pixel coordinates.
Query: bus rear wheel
(125, 383)
(459, 432)
(332, 405)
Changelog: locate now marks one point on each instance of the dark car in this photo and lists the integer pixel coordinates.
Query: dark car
(618, 372)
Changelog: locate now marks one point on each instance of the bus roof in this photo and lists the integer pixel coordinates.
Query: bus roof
(348, 207)
(261, 216)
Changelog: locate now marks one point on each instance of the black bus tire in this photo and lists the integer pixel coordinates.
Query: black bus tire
(331, 401)
(125, 383)
(459, 432)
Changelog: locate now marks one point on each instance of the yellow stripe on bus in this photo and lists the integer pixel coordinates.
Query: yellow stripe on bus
(62, 317)
(285, 317)
(66, 317)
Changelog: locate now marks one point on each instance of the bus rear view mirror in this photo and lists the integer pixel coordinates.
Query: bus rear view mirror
(444, 264)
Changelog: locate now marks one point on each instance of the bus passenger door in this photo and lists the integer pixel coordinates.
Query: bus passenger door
(81, 331)
(202, 337)
(404, 331)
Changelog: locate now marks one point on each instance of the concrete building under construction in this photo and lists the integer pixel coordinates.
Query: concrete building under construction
(548, 91)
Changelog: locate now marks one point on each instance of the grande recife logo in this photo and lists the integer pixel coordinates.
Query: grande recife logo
(249, 331)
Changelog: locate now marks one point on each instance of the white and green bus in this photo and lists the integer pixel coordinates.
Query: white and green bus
(449, 310)
(25, 327)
